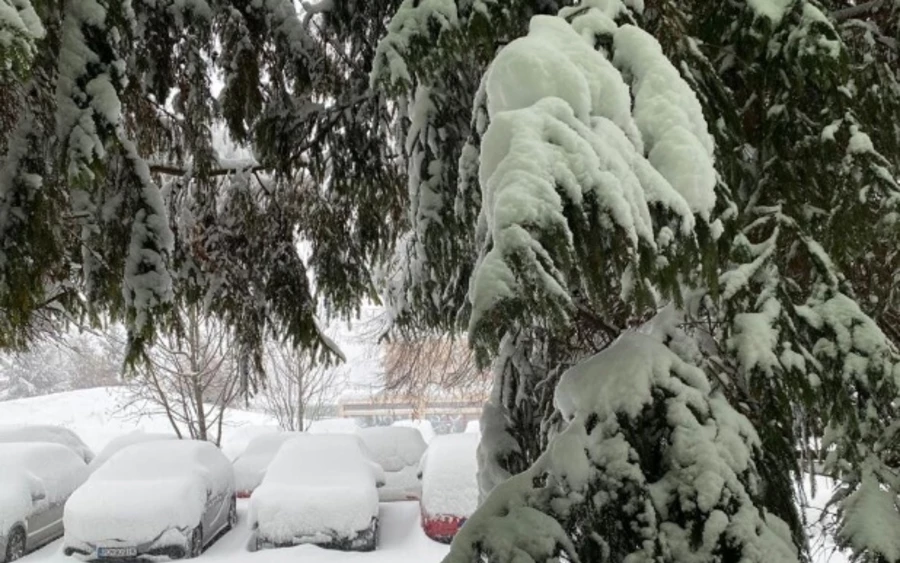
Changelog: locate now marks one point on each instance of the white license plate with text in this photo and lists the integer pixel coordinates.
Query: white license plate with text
(114, 552)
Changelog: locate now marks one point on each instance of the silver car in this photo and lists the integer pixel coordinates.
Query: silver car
(36, 479)
(168, 498)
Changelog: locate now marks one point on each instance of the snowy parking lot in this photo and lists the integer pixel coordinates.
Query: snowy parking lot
(401, 540)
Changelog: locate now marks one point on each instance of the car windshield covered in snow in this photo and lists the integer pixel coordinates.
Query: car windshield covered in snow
(398, 451)
(122, 442)
(321, 490)
(161, 498)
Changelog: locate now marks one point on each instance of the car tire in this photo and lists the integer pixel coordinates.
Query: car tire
(15, 545)
(372, 539)
(196, 543)
(232, 515)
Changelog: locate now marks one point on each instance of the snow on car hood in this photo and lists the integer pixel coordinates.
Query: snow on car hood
(283, 513)
(15, 497)
(132, 511)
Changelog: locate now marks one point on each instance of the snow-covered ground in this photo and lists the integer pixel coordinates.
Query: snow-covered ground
(401, 540)
(101, 414)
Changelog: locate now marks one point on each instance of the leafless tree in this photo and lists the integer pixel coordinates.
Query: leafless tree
(432, 367)
(297, 388)
(191, 376)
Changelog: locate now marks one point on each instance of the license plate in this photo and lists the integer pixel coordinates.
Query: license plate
(113, 552)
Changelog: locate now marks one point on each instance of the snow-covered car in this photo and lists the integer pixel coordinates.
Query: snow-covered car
(398, 451)
(35, 481)
(168, 498)
(125, 440)
(449, 484)
(333, 426)
(423, 426)
(250, 467)
(235, 441)
(319, 489)
(47, 433)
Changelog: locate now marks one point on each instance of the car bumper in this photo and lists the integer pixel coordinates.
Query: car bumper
(364, 540)
(171, 544)
(441, 527)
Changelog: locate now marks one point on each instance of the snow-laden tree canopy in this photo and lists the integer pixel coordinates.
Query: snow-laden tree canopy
(602, 491)
(773, 247)
(117, 200)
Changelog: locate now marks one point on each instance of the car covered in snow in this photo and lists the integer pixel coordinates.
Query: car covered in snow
(36, 479)
(250, 467)
(334, 426)
(319, 489)
(121, 442)
(235, 441)
(47, 433)
(425, 428)
(449, 484)
(398, 451)
(158, 499)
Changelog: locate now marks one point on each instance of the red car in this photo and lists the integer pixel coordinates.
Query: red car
(449, 484)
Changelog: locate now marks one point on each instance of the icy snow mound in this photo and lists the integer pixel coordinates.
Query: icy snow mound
(146, 489)
(449, 482)
(394, 447)
(250, 467)
(315, 486)
(125, 440)
(47, 433)
(40, 469)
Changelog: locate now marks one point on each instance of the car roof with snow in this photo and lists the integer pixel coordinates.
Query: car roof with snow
(125, 440)
(265, 445)
(238, 439)
(423, 426)
(334, 426)
(168, 459)
(311, 460)
(449, 475)
(47, 433)
(394, 447)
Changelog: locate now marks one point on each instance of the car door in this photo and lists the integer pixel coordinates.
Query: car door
(45, 522)
(217, 508)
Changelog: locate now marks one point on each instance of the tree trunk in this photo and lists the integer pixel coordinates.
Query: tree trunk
(300, 398)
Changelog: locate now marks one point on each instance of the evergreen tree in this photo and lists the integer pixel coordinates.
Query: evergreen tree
(114, 202)
(775, 323)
